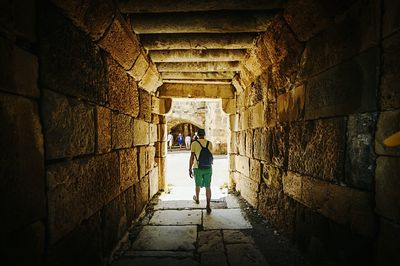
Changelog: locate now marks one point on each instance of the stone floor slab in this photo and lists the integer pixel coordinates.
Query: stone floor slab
(176, 217)
(213, 259)
(188, 204)
(232, 202)
(166, 238)
(152, 261)
(158, 253)
(225, 219)
(244, 254)
(210, 241)
(236, 237)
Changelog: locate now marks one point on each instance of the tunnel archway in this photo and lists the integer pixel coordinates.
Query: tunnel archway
(184, 128)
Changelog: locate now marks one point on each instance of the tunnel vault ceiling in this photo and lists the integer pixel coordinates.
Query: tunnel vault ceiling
(197, 46)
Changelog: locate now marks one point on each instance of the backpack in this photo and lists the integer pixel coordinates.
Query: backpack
(205, 159)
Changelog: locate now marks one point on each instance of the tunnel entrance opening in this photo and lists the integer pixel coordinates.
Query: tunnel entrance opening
(186, 117)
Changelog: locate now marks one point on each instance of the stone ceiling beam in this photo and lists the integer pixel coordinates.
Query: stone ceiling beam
(201, 22)
(198, 75)
(157, 6)
(198, 67)
(198, 41)
(196, 91)
(213, 55)
(197, 81)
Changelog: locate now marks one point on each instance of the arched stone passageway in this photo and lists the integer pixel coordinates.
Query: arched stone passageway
(186, 129)
(311, 89)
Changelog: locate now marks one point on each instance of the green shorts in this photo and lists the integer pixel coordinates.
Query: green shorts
(202, 177)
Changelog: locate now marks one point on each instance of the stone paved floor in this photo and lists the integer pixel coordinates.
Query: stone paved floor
(173, 233)
(177, 231)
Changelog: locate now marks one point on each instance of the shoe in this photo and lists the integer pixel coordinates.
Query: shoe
(195, 199)
(208, 210)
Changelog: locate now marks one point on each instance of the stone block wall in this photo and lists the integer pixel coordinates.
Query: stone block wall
(316, 98)
(81, 131)
(22, 156)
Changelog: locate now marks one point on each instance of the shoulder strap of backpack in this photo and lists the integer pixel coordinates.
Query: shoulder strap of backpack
(200, 144)
(207, 144)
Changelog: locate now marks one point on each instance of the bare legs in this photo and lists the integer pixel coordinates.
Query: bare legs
(208, 196)
(197, 193)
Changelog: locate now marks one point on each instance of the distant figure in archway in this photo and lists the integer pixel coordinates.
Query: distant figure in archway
(187, 141)
(202, 166)
(195, 137)
(180, 140)
(170, 140)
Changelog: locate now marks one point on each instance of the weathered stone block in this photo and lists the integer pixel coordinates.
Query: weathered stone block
(278, 145)
(70, 62)
(130, 203)
(82, 246)
(386, 252)
(79, 188)
(390, 88)
(307, 17)
(22, 192)
(257, 115)
(153, 133)
(290, 106)
(103, 129)
(151, 79)
(161, 172)
(341, 204)
(241, 140)
(391, 9)
(244, 120)
(234, 122)
(360, 156)
(128, 168)
(19, 70)
(142, 195)
(161, 149)
(115, 223)
(248, 189)
(271, 114)
(356, 31)
(142, 162)
(255, 170)
(387, 183)
(145, 105)
(388, 124)
(272, 176)
(284, 51)
(121, 43)
(277, 207)
(345, 89)
(139, 68)
(68, 126)
(249, 142)
(98, 17)
(150, 156)
(262, 144)
(162, 132)
(317, 148)
(123, 134)
(141, 132)
(155, 119)
(153, 182)
(123, 93)
(155, 105)
(242, 164)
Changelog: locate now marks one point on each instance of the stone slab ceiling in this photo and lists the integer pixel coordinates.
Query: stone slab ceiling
(198, 42)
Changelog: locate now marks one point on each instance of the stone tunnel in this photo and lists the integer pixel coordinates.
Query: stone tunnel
(309, 87)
